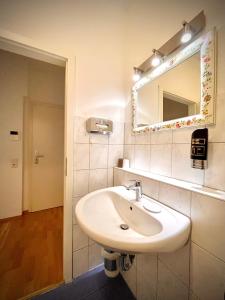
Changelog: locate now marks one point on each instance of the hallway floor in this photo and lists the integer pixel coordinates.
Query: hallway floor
(30, 252)
(94, 285)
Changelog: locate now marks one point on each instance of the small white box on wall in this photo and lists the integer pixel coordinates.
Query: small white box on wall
(14, 135)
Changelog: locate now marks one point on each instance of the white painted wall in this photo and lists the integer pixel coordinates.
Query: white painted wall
(93, 31)
(13, 86)
(46, 82)
(20, 77)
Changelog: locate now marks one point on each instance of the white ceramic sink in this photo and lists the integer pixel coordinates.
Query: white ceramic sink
(161, 229)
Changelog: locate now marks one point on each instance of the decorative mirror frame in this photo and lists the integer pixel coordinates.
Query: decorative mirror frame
(206, 45)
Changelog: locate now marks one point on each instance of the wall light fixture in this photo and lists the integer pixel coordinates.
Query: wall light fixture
(187, 34)
(137, 74)
(157, 58)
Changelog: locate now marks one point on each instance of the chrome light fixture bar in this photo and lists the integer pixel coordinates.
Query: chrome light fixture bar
(180, 39)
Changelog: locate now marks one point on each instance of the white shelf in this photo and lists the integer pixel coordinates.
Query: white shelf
(197, 188)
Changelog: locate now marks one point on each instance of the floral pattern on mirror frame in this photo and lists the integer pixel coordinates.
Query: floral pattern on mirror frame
(206, 46)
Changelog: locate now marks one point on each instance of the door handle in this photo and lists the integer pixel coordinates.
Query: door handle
(37, 156)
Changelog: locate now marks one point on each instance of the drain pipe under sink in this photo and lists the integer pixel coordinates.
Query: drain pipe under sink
(114, 261)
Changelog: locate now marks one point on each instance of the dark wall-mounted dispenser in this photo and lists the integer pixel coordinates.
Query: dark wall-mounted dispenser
(199, 148)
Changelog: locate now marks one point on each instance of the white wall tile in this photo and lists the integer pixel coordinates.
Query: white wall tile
(117, 137)
(80, 133)
(95, 257)
(115, 152)
(96, 138)
(110, 177)
(119, 177)
(207, 275)
(161, 137)
(90, 242)
(215, 173)
(208, 224)
(142, 138)
(169, 286)
(80, 262)
(161, 159)
(142, 157)
(81, 156)
(178, 262)
(75, 201)
(129, 137)
(80, 183)
(181, 165)
(98, 179)
(217, 131)
(131, 277)
(175, 197)
(150, 187)
(129, 154)
(183, 135)
(80, 239)
(98, 156)
(146, 276)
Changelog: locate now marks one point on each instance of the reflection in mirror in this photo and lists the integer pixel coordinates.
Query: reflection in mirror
(173, 95)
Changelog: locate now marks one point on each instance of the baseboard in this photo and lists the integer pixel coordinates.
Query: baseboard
(42, 291)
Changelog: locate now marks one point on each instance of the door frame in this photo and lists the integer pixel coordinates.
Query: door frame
(24, 46)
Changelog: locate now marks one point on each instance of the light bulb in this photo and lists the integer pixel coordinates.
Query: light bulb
(136, 77)
(137, 74)
(186, 37)
(187, 34)
(157, 58)
(156, 61)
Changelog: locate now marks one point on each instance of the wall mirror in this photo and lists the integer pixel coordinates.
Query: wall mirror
(179, 92)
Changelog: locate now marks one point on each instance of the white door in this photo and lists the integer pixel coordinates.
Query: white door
(47, 158)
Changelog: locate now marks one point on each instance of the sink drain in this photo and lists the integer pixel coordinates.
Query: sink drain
(124, 226)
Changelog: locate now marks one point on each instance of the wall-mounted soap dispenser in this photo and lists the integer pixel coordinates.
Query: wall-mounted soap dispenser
(98, 125)
(199, 148)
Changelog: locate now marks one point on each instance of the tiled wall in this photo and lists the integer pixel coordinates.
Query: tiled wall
(94, 158)
(168, 152)
(197, 271)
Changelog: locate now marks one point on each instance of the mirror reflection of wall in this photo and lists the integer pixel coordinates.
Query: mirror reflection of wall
(173, 95)
(175, 107)
(148, 108)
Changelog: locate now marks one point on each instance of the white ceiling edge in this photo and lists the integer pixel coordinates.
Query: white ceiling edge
(31, 52)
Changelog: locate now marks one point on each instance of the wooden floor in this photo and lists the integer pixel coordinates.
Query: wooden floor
(30, 252)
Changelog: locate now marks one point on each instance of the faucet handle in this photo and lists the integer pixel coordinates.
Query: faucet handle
(137, 182)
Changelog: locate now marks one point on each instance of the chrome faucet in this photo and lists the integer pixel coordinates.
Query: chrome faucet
(137, 188)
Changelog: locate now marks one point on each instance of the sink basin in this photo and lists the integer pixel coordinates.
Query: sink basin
(149, 225)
